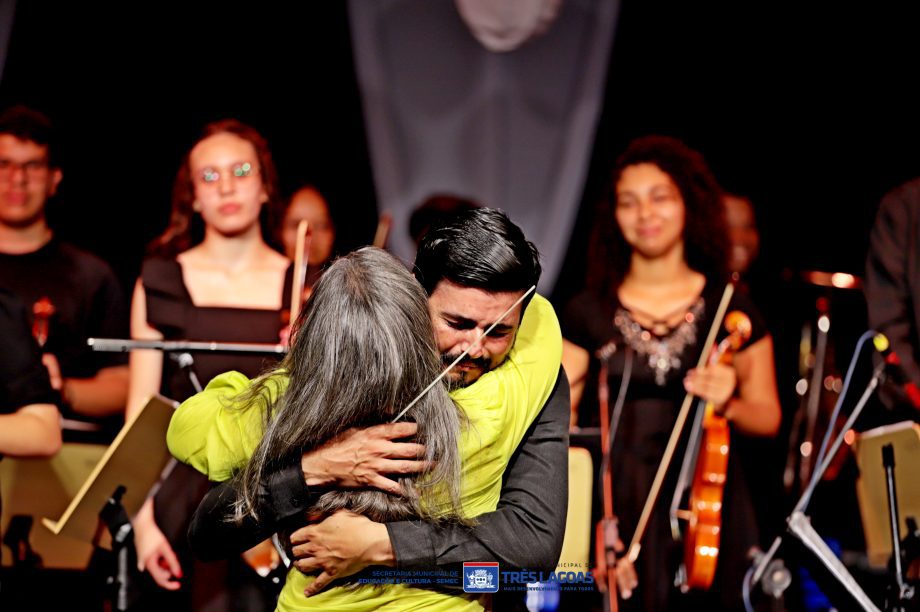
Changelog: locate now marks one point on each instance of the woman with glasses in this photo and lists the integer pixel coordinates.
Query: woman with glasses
(212, 275)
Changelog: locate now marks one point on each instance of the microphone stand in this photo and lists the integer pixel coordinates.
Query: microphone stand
(607, 534)
(118, 345)
(902, 592)
(181, 350)
(799, 524)
(122, 591)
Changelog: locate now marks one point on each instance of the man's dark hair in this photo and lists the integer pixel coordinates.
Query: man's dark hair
(29, 124)
(479, 248)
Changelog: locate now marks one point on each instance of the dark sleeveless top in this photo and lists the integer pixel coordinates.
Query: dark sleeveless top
(228, 585)
(170, 310)
(652, 402)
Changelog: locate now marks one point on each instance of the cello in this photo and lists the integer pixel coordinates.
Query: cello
(707, 450)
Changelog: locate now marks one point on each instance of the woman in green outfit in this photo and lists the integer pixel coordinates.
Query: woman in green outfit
(356, 357)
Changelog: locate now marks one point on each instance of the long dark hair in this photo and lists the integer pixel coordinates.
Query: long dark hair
(186, 229)
(363, 348)
(705, 233)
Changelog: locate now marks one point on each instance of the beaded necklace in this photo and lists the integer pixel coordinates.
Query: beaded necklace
(663, 344)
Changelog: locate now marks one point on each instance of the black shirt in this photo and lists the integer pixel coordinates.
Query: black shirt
(23, 378)
(87, 300)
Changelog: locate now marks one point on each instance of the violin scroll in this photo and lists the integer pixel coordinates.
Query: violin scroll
(738, 326)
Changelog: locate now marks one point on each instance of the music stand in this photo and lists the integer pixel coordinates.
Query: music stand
(799, 524)
(117, 488)
(871, 486)
(898, 493)
(135, 459)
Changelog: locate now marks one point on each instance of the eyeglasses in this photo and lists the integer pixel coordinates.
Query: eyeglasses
(211, 176)
(33, 169)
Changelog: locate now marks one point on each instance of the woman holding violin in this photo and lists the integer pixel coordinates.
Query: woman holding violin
(657, 273)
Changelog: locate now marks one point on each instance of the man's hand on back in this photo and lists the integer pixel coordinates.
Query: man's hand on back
(340, 545)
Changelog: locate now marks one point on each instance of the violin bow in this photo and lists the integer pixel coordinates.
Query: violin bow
(636, 545)
(472, 345)
(606, 531)
(384, 224)
(300, 269)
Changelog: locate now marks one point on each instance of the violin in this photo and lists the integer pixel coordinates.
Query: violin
(704, 513)
(635, 546)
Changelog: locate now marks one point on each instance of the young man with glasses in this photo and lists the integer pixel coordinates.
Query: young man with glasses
(69, 294)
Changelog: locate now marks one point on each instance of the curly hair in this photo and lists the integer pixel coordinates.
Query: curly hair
(186, 229)
(705, 234)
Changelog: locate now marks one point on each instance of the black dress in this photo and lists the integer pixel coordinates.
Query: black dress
(224, 585)
(653, 399)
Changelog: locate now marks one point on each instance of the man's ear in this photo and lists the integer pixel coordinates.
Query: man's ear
(56, 176)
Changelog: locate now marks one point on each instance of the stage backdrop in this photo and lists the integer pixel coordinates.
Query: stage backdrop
(513, 129)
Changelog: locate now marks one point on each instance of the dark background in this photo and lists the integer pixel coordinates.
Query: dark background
(805, 110)
(130, 89)
(809, 111)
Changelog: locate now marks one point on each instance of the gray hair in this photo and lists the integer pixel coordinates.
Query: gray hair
(362, 349)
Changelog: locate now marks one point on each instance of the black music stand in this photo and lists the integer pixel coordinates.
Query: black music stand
(902, 593)
(889, 510)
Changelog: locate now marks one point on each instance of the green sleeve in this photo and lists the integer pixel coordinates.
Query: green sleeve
(212, 434)
(514, 393)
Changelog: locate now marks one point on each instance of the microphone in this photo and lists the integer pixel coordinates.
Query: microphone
(896, 369)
